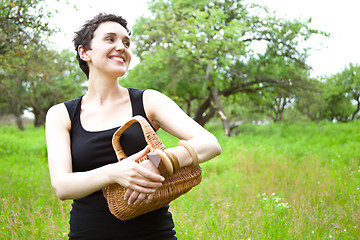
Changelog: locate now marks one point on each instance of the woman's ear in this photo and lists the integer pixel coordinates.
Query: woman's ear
(83, 54)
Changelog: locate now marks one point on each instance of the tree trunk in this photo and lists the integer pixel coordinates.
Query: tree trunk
(39, 120)
(17, 112)
(39, 117)
(275, 117)
(204, 119)
(188, 104)
(283, 102)
(357, 109)
(19, 122)
(199, 115)
(224, 119)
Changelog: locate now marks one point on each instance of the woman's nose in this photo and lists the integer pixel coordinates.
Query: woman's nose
(120, 46)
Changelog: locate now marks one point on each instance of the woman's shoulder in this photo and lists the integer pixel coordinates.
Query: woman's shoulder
(153, 94)
(156, 101)
(58, 115)
(56, 111)
(64, 107)
(157, 105)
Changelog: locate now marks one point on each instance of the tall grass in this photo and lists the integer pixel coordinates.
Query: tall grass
(28, 207)
(278, 181)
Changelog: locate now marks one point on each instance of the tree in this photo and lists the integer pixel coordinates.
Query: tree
(32, 76)
(22, 23)
(22, 26)
(56, 79)
(343, 94)
(350, 79)
(40, 80)
(203, 51)
(287, 80)
(11, 92)
(311, 101)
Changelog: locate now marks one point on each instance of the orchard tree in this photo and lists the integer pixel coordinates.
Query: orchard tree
(350, 79)
(22, 23)
(32, 76)
(12, 91)
(57, 78)
(201, 52)
(311, 101)
(343, 93)
(40, 80)
(286, 80)
(23, 26)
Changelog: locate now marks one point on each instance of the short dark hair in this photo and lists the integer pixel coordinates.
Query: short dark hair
(86, 33)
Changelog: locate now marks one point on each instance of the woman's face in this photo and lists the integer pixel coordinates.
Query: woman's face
(109, 52)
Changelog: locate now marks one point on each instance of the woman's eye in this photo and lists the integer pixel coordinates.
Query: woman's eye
(109, 39)
(127, 44)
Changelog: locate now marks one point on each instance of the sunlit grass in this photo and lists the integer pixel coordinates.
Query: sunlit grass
(313, 168)
(28, 207)
(279, 181)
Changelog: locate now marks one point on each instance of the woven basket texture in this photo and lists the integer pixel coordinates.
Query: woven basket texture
(172, 188)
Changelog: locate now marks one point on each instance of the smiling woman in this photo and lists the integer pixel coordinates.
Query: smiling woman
(107, 45)
(111, 36)
(79, 140)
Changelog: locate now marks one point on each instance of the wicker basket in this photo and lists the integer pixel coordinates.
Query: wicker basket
(172, 187)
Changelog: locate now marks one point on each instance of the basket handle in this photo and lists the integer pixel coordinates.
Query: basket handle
(150, 136)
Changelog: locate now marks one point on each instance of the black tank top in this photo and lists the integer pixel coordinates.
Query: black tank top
(90, 217)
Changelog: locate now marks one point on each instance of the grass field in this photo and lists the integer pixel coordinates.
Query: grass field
(278, 181)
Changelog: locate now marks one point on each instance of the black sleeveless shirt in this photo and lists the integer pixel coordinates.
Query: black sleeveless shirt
(90, 217)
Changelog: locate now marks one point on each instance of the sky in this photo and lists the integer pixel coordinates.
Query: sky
(328, 55)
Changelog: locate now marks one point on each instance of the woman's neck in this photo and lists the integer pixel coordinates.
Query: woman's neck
(102, 89)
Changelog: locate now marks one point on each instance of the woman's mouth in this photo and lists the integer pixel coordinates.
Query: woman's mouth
(119, 59)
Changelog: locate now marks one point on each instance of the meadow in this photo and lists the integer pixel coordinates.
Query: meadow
(277, 181)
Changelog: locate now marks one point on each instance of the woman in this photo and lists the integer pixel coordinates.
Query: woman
(79, 133)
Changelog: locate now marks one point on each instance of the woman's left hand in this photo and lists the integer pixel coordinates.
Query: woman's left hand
(134, 197)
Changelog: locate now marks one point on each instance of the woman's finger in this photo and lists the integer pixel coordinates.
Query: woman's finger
(140, 198)
(144, 171)
(144, 183)
(150, 175)
(134, 195)
(139, 154)
(149, 198)
(127, 194)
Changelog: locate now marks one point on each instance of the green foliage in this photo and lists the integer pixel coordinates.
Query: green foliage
(192, 49)
(22, 23)
(57, 79)
(311, 101)
(343, 90)
(277, 181)
(32, 76)
(40, 79)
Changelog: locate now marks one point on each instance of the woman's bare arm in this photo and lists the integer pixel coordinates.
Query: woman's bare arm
(69, 185)
(166, 114)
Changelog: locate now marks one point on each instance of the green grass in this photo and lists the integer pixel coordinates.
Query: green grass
(278, 181)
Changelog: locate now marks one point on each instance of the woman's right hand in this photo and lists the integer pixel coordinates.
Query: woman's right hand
(136, 177)
(135, 197)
